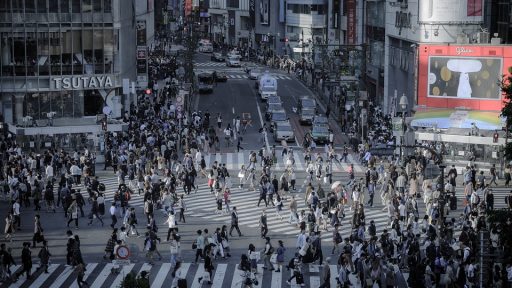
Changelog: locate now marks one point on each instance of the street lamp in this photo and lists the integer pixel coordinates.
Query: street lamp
(404, 102)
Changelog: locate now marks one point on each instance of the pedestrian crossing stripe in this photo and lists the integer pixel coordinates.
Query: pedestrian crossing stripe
(99, 275)
(203, 205)
(244, 76)
(235, 160)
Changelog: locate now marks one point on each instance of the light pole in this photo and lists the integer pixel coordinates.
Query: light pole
(404, 102)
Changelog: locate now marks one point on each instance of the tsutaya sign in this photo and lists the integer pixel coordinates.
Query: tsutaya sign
(82, 82)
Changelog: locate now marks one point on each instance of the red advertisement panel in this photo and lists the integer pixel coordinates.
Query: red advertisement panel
(188, 7)
(474, 7)
(351, 22)
(467, 76)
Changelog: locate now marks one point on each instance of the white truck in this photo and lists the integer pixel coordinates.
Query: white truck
(267, 86)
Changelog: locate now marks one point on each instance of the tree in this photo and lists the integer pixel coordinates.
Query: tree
(506, 111)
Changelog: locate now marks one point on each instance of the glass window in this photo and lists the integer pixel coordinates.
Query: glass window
(54, 6)
(5, 6)
(31, 42)
(55, 53)
(86, 6)
(76, 6)
(98, 51)
(43, 50)
(107, 6)
(41, 6)
(108, 50)
(7, 60)
(87, 43)
(19, 54)
(77, 56)
(97, 5)
(64, 6)
(17, 6)
(30, 6)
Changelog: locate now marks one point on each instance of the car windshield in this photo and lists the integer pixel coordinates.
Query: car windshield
(268, 89)
(274, 106)
(278, 116)
(320, 129)
(308, 112)
(320, 120)
(308, 103)
(284, 128)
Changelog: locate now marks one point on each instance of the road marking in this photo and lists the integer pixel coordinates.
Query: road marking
(162, 273)
(261, 122)
(220, 272)
(40, 280)
(277, 279)
(233, 110)
(103, 275)
(89, 267)
(199, 274)
(125, 270)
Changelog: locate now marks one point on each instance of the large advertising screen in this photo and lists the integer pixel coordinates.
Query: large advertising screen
(453, 11)
(462, 76)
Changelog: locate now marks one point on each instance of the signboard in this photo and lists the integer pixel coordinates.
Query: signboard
(81, 82)
(265, 12)
(123, 252)
(452, 11)
(351, 22)
(398, 126)
(142, 66)
(141, 52)
(188, 7)
(462, 76)
(252, 13)
(141, 33)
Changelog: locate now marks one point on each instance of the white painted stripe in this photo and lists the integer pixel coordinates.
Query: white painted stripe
(102, 276)
(314, 281)
(229, 161)
(240, 160)
(314, 268)
(207, 160)
(89, 267)
(259, 275)
(357, 166)
(22, 279)
(162, 273)
(63, 276)
(220, 273)
(125, 270)
(145, 267)
(218, 158)
(277, 279)
(44, 276)
(334, 274)
(237, 279)
(199, 274)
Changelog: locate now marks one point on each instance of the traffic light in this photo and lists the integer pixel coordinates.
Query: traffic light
(148, 91)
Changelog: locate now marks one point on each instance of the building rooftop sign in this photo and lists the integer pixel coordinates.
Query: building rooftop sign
(81, 82)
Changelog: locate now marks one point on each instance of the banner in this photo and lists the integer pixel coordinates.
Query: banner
(351, 22)
(252, 12)
(265, 12)
(141, 32)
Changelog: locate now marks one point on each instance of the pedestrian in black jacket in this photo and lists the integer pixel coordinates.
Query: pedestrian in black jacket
(26, 261)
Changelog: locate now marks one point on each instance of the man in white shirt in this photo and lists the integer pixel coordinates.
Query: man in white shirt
(16, 212)
(113, 216)
(49, 172)
(76, 173)
(301, 240)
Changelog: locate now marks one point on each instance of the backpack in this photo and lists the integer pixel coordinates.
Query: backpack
(128, 196)
(337, 238)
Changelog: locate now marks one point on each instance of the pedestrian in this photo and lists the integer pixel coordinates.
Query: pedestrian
(16, 213)
(26, 261)
(296, 264)
(113, 215)
(263, 224)
(280, 255)
(171, 221)
(72, 212)
(38, 231)
(208, 268)
(234, 223)
(179, 277)
(150, 248)
(80, 274)
(199, 245)
(182, 207)
(219, 121)
(94, 212)
(325, 277)
(9, 226)
(267, 253)
(6, 261)
(44, 256)
(132, 221)
(254, 257)
(174, 249)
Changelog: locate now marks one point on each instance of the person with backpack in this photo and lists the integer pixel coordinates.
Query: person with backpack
(508, 200)
(132, 221)
(296, 264)
(267, 253)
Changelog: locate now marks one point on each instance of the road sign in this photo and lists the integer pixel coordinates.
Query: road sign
(121, 262)
(123, 252)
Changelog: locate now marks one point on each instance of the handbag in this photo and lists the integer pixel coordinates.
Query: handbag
(273, 258)
(225, 243)
(194, 245)
(174, 249)
(241, 175)
(326, 179)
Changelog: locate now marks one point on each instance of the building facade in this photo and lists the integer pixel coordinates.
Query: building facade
(64, 61)
(410, 23)
(230, 22)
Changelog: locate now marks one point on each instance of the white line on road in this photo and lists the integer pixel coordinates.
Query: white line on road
(261, 122)
(233, 110)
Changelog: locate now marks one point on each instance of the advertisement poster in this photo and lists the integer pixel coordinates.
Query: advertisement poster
(141, 32)
(453, 11)
(464, 77)
(265, 12)
(188, 7)
(351, 22)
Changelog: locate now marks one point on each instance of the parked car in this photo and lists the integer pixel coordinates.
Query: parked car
(320, 133)
(283, 131)
(217, 57)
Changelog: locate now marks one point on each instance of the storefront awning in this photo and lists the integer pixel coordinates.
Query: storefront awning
(451, 118)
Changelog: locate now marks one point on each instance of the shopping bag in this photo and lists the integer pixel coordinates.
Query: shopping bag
(326, 179)
(273, 258)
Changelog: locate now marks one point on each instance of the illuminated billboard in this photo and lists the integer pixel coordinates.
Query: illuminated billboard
(462, 76)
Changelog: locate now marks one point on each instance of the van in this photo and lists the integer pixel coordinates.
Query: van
(205, 46)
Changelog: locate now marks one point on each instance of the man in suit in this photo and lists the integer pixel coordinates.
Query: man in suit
(234, 223)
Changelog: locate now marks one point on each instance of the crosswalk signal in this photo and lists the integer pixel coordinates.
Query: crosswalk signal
(104, 125)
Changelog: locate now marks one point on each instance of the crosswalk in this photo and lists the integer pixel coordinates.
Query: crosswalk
(235, 160)
(210, 64)
(99, 275)
(245, 76)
